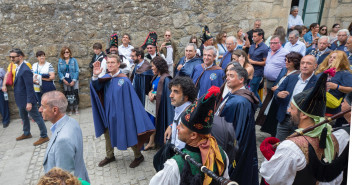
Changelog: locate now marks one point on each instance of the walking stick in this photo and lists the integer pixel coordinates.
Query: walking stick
(221, 180)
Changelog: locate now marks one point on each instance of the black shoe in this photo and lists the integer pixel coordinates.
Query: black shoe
(106, 161)
(5, 125)
(136, 162)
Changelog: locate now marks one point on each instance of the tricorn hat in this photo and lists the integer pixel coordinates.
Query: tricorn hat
(198, 117)
(151, 39)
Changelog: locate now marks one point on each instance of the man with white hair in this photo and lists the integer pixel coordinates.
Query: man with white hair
(65, 148)
(322, 51)
(339, 44)
(349, 50)
(207, 74)
(231, 46)
(294, 44)
(294, 19)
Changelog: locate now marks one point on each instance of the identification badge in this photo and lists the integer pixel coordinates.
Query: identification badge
(67, 75)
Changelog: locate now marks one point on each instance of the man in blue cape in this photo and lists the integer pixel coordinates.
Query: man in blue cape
(207, 74)
(187, 63)
(142, 74)
(238, 108)
(231, 45)
(117, 112)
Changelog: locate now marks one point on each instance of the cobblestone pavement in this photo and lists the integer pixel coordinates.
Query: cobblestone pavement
(21, 162)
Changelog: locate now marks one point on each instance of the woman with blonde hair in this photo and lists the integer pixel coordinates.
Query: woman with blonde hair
(339, 85)
(242, 39)
(58, 176)
(220, 44)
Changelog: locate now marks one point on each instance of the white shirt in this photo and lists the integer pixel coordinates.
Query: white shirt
(174, 133)
(169, 52)
(170, 174)
(126, 51)
(299, 47)
(288, 159)
(96, 78)
(300, 85)
(293, 21)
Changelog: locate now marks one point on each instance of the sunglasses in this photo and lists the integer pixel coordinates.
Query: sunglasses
(13, 56)
(323, 29)
(67, 52)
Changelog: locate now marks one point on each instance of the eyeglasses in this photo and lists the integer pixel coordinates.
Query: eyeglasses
(224, 36)
(67, 52)
(342, 35)
(273, 42)
(167, 35)
(323, 29)
(13, 56)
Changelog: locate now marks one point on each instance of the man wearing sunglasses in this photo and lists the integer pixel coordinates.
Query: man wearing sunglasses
(25, 98)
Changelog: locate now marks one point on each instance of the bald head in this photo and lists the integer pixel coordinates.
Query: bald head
(349, 44)
(308, 65)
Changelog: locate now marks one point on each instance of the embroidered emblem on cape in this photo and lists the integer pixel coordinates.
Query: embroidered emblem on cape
(213, 76)
(121, 82)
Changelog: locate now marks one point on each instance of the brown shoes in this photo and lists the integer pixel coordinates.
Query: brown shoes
(106, 161)
(24, 137)
(136, 162)
(41, 141)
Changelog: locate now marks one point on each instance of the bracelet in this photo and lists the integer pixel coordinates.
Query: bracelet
(337, 87)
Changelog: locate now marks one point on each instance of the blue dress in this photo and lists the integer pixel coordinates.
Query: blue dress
(154, 87)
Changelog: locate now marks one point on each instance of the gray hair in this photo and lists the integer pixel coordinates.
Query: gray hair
(56, 99)
(241, 73)
(294, 32)
(294, 8)
(208, 48)
(232, 38)
(258, 20)
(344, 30)
(193, 45)
(324, 37)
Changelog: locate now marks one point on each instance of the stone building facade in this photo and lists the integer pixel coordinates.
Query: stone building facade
(47, 25)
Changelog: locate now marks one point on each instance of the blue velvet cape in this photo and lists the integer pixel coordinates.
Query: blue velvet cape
(209, 78)
(239, 111)
(141, 83)
(187, 68)
(118, 109)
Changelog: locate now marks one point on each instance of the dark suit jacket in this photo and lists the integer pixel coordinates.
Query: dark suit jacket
(23, 87)
(288, 85)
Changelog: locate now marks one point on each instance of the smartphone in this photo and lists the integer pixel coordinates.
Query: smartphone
(168, 44)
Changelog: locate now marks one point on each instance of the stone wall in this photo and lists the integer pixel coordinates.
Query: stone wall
(337, 11)
(47, 25)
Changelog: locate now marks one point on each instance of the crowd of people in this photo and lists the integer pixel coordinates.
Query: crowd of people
(203, 104)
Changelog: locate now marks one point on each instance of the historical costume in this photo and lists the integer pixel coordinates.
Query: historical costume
(141, 77)
(205, 36)
(151, 39)
(197, 118)
(226, 59)
(205, 78)
(116, 107)
(187, 66)
(238, 109)
(164, 110)
(317, 156)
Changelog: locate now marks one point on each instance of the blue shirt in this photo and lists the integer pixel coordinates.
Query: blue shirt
(274, 63)
(53, 128)
(308, 37)
(349, 55)
(258, 54)
(174, 133)
(299, 47)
